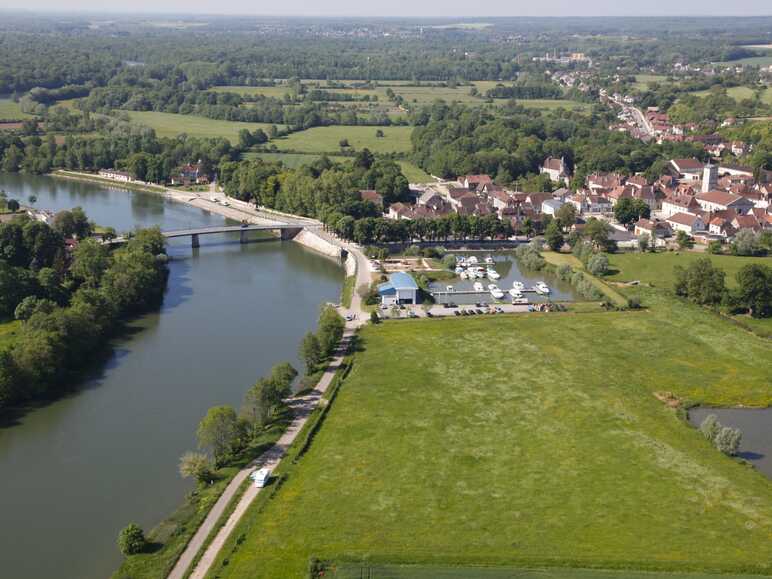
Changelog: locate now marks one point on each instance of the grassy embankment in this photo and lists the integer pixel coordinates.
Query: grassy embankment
(527, 440)
(170, 537)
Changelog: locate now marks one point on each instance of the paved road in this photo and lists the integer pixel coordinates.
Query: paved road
(302, 408)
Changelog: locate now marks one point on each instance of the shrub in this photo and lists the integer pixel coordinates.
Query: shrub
(728, 440)
(598, 264)
(196, 465)
(564, 272)
(530, 257)
(715, 247)
(132, 540)
(709, 426)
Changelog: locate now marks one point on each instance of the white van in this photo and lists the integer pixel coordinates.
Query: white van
(261, 477)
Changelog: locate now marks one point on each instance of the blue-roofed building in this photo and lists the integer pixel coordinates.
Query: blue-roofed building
(400, 289)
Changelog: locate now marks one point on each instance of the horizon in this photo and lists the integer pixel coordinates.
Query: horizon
(692, 9)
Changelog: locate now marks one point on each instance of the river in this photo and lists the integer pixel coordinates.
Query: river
(74, 472)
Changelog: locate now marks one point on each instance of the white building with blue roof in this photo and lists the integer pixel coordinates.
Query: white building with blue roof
(400, 289)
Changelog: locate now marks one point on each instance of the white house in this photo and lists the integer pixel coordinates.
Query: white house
(400, 289)
(115, 175)
(551, 206)
(556, 169)
(686, 222)
(679, 204)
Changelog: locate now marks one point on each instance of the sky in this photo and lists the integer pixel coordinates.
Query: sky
(417, 8)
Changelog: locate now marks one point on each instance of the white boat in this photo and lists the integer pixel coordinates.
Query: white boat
(471, 259)
(492, 273)
(464, 275)
(495, 291)
(518, 285)
(478, 287)
(542, 288)
(515, 293)
(520, 302)
(450, 288)
(459, 270)
(489, 259)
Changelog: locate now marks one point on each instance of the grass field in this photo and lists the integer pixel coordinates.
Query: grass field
(414, 173)
(326, 139)
(270, 91)
(738, 93)
(752, 61)
(7, 332)
(11, 110)
(171, 125)
(657, 268)
(354, 571)
(529, 441)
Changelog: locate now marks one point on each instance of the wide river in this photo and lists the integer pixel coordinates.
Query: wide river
(76, 471)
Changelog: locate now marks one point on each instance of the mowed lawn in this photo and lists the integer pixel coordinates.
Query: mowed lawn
(171, 125)
(327, 139)
(526, 440)
(657, 268)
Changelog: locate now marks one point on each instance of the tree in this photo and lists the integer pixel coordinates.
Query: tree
(90, 260)
(728, 439)
(754, 291)
(343, 143)
(554, 236)
(374, 319)
(218, 432)
(379, 134)
(598, 264)
(196, 465)
(331, 326)
(709, 427)
(684, 240)
(700, 282)
(597, 232)
(628, 210)
(282, 376)
(566, 215)
(132, 540)
(310, 352)
(746, 243)
(643, 242)
(32, 305)
(12, 205)
(715, 247)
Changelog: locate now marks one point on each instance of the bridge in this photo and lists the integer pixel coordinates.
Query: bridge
(286, 231)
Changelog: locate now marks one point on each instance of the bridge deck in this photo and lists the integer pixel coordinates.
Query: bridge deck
(227, 229)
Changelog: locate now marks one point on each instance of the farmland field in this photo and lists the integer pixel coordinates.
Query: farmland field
(11, 110)
(171, 125)
(525, 441)
(738, 93)
(327, 139)
(642, 80)
(765, 60)
(270, 91)
(657, 268)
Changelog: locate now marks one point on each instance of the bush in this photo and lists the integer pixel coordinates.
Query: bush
(634, 303)
(449, 262)
(132, 540)
(598, 264)
(564, 272)
(724, 438)
(715, 247)
(530, 257)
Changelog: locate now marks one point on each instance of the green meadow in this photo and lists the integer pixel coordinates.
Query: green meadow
(527, 441)
(327, 139)
(171, 125)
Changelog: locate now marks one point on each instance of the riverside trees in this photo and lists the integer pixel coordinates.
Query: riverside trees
(68, 304)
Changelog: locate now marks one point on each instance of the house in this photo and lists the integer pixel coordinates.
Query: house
(556, 169)
(399, 211)
(679, 204)
(115, 175)
(190, 174)
(747, 222)
(686, 222)
(551, 206)
(372, 196)
(654, 228)
(431, 199)
(590, 203)
(400, 289)
(735, 170)
(721, 226)
(723, 200)
(687, 169)
(474, 182)
(603, 182)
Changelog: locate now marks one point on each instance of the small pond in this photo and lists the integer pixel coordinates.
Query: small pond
(756, 426)
(506, 266)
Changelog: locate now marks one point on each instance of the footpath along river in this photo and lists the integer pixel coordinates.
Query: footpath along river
(74, 472)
